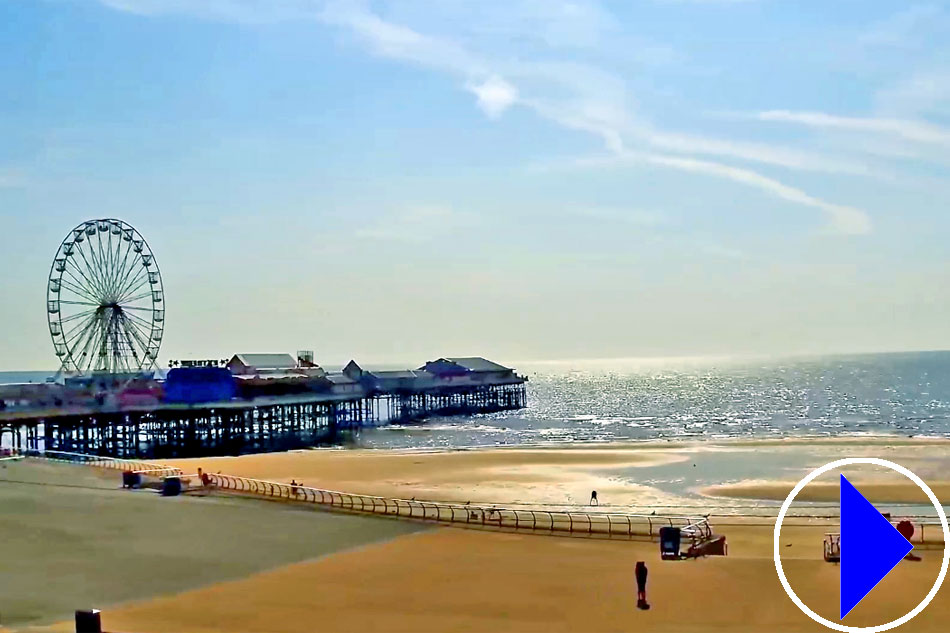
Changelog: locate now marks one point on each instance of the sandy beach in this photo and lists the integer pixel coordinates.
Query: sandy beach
(458, 580)
(452, 579)
(624, 474)
(514, 476)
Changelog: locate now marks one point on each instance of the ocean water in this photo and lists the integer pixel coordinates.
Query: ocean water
(905, 394)
(12, 377)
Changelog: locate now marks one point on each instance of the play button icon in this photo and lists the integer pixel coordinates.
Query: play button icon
(870, 547)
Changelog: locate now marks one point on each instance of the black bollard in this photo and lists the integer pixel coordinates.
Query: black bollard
(88, 621)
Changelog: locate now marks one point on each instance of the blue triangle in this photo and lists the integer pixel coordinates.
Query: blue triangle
(870, 547)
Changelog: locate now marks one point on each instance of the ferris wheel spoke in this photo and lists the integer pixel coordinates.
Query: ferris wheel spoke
(127, 263)
(115, 253)
(105, 249)
(146, 358)
(90, 283)
(99, 258)
(77, 336)
(131, 277)
(138, 297)
(111, 348)
(146, 325)
(101, 254)
(144, 334)
(78, 315)
(92, 277)
(109, 262)
(119, 359)
(139, 336)
(102, 344)
(77, 330)
(77, 290)
(132, 337)
(138, 321)
(85, 360)
(124, 269)
(140, 280)
(79, 303)
(91, 354)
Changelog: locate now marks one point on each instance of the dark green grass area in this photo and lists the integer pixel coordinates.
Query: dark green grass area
(72, 538)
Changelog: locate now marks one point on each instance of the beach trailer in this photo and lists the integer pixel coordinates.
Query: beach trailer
(832, 547)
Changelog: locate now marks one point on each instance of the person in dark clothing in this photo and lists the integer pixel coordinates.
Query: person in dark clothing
(641, 574)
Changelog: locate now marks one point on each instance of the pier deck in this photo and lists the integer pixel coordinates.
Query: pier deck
(243, 426)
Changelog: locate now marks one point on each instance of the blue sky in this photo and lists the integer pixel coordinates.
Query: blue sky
(396, 180)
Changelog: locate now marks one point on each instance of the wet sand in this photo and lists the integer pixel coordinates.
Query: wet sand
(510, 476)
(875, 491)
(623, 474)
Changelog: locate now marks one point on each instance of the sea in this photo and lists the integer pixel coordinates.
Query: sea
(904, 394)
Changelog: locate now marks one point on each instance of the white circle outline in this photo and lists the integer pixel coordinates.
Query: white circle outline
(848, 462)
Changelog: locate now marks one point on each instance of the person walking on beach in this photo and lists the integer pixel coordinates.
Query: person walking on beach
(593, 498)
(641, 574)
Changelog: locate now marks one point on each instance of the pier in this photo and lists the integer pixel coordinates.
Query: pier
(322, 406)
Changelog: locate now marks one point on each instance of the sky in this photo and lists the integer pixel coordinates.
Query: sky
(398, 180)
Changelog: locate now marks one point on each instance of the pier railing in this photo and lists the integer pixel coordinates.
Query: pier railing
(112, 463)
(552, 521)
(486, 516)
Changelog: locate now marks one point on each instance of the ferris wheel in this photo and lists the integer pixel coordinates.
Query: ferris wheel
(105, 301)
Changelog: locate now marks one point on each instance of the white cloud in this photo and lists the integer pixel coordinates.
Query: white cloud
(494, 95)
(756, 152)
(576, 96)
(843, 219)
(916, 131)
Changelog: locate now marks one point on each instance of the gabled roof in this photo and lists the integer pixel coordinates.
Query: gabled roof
(352, 367)
(340, 379)
(266, 361)
(477, 364)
